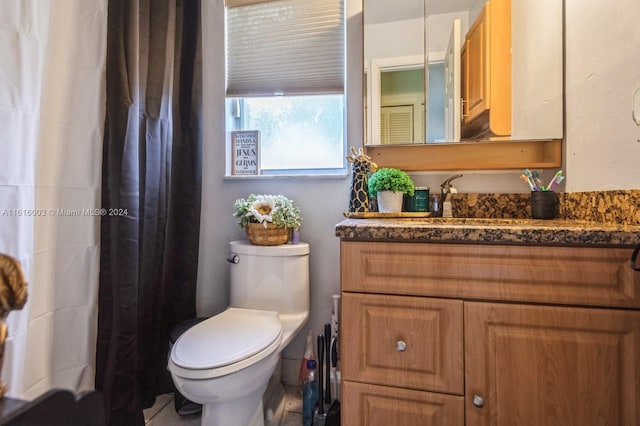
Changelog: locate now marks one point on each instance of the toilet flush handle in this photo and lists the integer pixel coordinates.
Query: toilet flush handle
(234, 259)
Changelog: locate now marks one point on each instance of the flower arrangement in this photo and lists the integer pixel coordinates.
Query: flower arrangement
(266, 209)
(390, 179)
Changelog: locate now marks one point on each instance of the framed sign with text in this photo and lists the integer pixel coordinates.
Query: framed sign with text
(245, 146)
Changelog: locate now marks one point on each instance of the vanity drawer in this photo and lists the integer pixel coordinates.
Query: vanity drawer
(407, 342)
(590, 276)
(370, 405)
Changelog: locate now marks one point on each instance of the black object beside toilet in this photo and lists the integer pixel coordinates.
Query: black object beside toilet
(183, 406)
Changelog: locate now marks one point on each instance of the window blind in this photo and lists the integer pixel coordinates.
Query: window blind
(285, 47)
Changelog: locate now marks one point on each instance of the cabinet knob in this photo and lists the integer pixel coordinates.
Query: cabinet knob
(401, 346)
(478, 401)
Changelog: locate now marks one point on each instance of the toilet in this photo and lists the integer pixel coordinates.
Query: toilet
(226, 361)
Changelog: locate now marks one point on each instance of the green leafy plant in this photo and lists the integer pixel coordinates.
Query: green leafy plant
(265, 209)
(390, 179)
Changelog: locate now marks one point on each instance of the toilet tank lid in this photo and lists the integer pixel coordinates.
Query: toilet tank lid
(245, 247)
(227, 338)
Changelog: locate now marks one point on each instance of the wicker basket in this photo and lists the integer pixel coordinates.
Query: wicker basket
(269, 236)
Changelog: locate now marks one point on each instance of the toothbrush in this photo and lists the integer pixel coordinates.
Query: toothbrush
(536, 180)
(528, 182)
(529, 177)
(556, 179)
(538, 183)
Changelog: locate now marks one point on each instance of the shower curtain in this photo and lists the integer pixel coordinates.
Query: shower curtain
(51, 116)
(151, 189)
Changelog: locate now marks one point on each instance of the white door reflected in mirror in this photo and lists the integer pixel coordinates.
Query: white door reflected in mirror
(453, 98)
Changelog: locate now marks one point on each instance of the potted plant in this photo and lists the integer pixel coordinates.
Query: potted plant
(389, 185)
(267, 219)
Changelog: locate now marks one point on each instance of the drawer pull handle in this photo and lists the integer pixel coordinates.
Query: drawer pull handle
(478, 401)
(401, 346)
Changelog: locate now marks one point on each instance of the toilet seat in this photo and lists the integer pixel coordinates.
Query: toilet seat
(225, 343)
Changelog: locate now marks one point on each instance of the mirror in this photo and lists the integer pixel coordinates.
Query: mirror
(431, 78)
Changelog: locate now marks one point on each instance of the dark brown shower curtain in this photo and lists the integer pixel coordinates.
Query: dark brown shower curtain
(151, 184)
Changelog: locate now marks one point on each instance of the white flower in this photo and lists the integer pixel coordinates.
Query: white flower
(262, 208)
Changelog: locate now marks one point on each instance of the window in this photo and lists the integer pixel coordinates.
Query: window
(285, 77)
(297, 132)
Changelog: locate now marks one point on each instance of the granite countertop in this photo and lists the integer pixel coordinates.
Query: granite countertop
(490, 231)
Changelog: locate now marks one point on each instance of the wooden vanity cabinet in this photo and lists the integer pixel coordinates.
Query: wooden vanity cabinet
(543, 365)
(454, 334)
(486, 73)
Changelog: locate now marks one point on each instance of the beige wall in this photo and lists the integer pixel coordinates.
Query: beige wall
(603, 71)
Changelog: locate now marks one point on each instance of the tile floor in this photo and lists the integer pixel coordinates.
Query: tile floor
(164, 414)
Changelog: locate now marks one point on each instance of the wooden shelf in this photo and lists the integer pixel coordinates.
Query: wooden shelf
(485, 155)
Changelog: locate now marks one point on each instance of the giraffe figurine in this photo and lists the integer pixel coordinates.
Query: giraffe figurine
(362, 164)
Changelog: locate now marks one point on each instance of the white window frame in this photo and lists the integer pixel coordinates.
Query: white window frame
(353, 47)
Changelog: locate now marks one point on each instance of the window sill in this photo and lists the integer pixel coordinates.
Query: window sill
(338, 175)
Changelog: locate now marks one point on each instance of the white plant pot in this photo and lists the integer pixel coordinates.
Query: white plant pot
(390, 201)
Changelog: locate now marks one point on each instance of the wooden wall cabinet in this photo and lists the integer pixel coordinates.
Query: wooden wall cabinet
(455, 334)
(486, 73)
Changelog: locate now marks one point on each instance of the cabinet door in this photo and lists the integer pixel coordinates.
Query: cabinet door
(476, 61)
(538, 365)
(370, 405)
(408, 342)
(487, 73)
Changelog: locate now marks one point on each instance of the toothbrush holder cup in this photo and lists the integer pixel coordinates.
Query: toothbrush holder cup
(543, 204)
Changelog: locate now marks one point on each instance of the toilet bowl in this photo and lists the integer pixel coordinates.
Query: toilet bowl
(226, 361)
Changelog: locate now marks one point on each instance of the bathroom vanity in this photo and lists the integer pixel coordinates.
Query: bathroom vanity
(489, 321)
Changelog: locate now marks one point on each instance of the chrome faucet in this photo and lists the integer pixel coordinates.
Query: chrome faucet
(447, 189)
(446, 186)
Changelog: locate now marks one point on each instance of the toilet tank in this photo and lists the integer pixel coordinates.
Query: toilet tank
(274, 278)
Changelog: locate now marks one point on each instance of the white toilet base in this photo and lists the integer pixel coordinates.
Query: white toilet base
(234, 399)
(234, 412)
